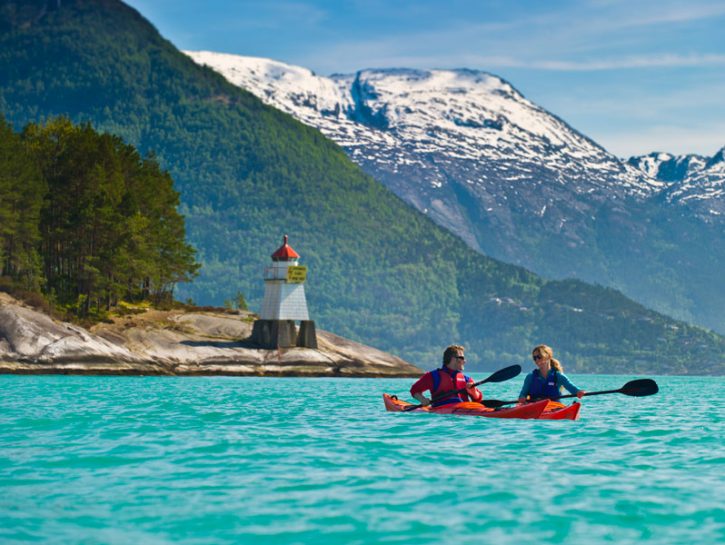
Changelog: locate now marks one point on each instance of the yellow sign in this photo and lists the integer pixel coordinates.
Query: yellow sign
(296, 274)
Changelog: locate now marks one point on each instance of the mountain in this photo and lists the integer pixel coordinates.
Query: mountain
(693, 180)
(513, 180)
(379, 271)
(667, 167)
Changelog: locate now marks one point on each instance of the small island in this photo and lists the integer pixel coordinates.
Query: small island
(188, 341)
(91, 249)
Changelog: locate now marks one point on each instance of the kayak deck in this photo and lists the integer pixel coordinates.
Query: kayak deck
(469, 408)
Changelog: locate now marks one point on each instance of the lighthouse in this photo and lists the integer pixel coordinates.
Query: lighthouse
(284, 303)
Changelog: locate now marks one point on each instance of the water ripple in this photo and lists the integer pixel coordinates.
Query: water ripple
(284, 461)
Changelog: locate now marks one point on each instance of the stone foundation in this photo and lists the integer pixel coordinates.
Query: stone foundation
(283, 334)
(307, 335)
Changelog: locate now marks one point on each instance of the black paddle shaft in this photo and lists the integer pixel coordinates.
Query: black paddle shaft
(635, 388)
(499, 376)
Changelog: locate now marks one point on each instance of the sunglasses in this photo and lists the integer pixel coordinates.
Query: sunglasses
(538, 357)
(460, 358)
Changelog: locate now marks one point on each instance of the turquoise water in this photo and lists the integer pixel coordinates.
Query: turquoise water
(151, 460)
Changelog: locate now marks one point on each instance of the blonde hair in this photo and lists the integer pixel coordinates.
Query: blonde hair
(546, 350)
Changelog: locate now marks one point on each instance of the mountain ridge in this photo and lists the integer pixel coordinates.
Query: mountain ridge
(692, 178)
(512, 180)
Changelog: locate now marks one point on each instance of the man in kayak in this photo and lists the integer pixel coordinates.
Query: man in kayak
(447, 380)
(548, 379)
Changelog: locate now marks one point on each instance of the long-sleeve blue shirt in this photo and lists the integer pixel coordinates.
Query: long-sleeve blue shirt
(561, 380)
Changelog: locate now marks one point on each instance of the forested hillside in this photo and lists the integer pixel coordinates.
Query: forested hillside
(380, 272)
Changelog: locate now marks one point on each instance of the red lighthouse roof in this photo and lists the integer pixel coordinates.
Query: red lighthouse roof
(285, 252)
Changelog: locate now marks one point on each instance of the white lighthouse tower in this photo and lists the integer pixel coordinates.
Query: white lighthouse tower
(284, 303)
(284, 288)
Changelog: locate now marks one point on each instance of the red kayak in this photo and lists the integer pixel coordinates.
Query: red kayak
(469, 408)
(558, 411)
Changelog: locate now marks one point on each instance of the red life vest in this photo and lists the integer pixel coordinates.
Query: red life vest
(445, 380)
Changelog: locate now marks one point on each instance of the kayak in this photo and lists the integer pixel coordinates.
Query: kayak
(543, 409)
(558, 411)
(469, 408)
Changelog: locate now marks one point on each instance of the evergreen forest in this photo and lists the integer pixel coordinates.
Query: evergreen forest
(86, 221)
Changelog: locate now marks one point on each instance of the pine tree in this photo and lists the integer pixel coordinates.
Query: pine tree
(21, 193)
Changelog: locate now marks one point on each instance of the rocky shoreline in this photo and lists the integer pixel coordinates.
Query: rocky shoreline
(175, 343)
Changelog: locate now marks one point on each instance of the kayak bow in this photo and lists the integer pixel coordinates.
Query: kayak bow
(558, 411)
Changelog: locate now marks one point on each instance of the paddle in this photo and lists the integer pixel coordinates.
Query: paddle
(499, 376)
(635, 388)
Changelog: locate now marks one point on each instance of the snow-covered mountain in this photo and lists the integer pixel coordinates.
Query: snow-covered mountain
(667, 167)
(442, 139)
(513, 180)
(691, 179)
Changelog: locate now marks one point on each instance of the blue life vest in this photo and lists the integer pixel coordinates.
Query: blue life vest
(544, 388)
(445, 380)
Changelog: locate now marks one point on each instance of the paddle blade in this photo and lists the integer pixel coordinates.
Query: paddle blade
(504, 374)
(640, 388)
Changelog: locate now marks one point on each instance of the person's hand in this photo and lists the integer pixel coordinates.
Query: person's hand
(422, 399)
(580, 394)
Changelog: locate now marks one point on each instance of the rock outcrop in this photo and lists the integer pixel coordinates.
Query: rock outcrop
(175, 343)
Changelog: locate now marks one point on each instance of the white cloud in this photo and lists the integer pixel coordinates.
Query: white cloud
(640, 61)
(583, 39)
(376, 56)
(659, 14)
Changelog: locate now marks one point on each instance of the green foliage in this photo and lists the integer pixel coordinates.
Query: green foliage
(379, 272)
(237, 303)
(21, 197)
(241, 302)
(102, 221)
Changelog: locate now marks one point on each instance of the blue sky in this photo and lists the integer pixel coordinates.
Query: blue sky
(634, 75)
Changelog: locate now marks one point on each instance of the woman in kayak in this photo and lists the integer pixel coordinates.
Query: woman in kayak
(548, 379)
(447, 380)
